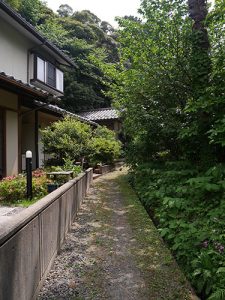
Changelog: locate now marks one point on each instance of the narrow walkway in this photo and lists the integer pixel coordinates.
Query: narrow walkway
(114, 252)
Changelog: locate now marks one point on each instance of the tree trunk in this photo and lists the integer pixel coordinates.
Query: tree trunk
(201, 64)
(200, 69)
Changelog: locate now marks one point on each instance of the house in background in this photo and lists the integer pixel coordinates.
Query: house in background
(31, 77)
(108, 117)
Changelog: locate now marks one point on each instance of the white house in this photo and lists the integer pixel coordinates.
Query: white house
(30, 74)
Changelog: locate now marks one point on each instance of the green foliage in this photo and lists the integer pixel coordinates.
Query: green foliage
(32, 10)
(69, 166)
(13, 188)
(65, 10)
(14, 3)
(86, 17)
(67, 138)
(206, 109)
(105, 147)
(218, 295)
(151, 85)
(83, 37)
(169, 84)
(85, 86)
(54, 31)
(187, 204)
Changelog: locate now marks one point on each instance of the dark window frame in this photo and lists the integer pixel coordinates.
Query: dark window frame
(46, 83)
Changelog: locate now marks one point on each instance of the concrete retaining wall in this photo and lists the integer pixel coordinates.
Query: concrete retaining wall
(30, 240)
(104, 169)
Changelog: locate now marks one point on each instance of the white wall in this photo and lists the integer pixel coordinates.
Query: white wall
(13, 52)
(11, 143)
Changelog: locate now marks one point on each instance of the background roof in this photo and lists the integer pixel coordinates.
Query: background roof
(101, 114)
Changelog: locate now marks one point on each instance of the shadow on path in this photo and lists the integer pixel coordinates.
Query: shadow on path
(114, 252)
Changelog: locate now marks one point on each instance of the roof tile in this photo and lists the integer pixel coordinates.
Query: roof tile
(108, 113)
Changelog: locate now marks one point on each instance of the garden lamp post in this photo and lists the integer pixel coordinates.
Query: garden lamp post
(29, 173)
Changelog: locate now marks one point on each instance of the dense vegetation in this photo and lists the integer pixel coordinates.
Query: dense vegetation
(83, 36)
(71, 140)
(169, 85)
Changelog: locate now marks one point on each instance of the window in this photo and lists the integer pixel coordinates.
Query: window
(47, 73)
(51, 75)
(59, 80)
(40, 69)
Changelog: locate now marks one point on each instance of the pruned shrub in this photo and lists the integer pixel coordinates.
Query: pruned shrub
(67, 138)
(105, 147)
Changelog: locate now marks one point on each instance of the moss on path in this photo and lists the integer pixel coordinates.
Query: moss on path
(115, 252)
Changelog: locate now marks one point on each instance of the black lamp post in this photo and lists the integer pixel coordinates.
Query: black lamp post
(29, 173)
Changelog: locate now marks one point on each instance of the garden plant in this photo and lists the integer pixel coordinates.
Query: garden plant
(72, 141)
(13, 188)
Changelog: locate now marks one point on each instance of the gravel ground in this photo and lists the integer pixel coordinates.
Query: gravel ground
(99, 257)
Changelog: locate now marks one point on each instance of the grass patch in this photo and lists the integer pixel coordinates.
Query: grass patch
(155, 261)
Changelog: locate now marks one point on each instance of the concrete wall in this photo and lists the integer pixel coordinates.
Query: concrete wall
(104, 169)
(29, 241)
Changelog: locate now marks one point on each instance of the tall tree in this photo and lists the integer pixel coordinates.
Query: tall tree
(65, 10)
(152, 83)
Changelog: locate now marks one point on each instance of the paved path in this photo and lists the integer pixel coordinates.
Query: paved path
(114, 252)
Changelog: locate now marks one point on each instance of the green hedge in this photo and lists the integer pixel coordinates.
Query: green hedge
(188, 207)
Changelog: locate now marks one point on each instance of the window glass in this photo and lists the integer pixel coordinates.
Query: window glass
(59, 80)
(51, 75)
(40, 69)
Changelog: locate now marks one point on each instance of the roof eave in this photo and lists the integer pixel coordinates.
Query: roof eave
(17, 17)
(26, 88)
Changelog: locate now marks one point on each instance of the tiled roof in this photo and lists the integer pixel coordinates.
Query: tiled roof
(63, 112)
(25, 86)
(20, 20)
(101, 114)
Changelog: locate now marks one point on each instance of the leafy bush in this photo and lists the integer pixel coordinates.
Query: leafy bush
(67, 138)
(105, 147)
(188, 206)
(69, 166)
(13, 188)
